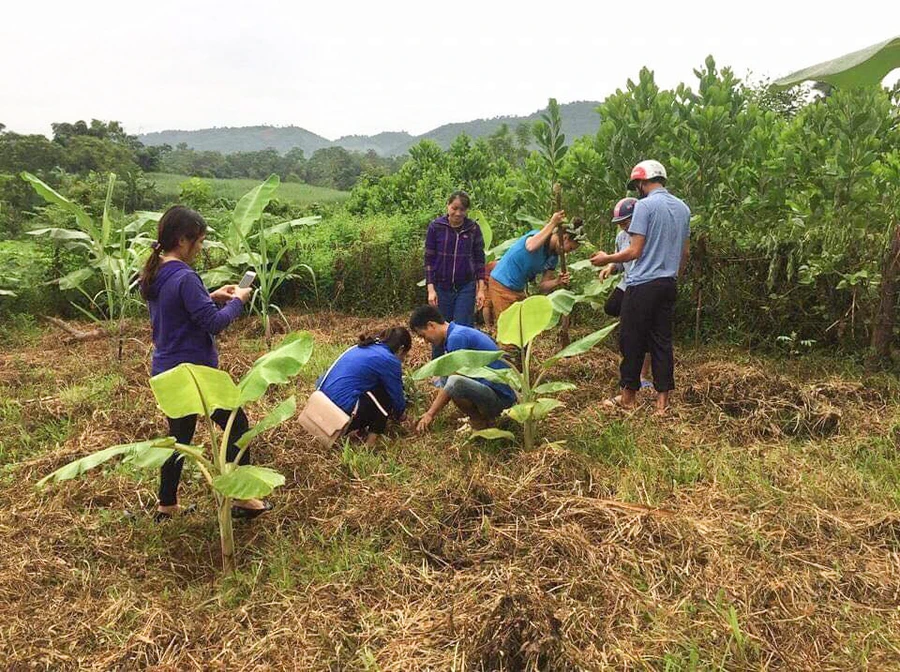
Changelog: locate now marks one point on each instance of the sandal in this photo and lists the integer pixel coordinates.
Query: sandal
(162, 516)
(616, 403)
(244, 513)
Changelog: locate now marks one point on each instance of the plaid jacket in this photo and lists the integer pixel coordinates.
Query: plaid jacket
(453, 257)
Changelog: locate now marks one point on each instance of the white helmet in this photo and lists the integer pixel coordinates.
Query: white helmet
(646, 170)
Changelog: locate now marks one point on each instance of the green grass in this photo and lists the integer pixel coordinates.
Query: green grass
(764, 553)
(98, 389)
(294, 192)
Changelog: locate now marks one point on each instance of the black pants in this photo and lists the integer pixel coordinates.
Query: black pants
(183, 431)
(648, 311)
(613, 305)
(368, 417)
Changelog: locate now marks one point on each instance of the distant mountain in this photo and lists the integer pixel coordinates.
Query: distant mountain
(241, 139)
(579, 118)
(384, 144)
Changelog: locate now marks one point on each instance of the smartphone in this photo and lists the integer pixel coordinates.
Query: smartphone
(247, 280)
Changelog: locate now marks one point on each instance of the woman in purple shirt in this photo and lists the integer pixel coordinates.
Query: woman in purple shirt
(185, 317)
(454, 263)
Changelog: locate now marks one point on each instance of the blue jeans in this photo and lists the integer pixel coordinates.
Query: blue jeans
(456, 305)
(489, 403)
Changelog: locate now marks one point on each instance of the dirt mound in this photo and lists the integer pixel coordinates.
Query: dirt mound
(521, 632)
(758, 402)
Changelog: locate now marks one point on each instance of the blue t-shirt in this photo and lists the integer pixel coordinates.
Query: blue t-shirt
(361, 370)
(665, 223)
(460, 337)
(518, 266)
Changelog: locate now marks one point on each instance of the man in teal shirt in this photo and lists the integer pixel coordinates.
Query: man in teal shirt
(535, 253)
(660, 230)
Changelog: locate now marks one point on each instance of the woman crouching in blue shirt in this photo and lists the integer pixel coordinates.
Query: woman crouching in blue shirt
(366, 382)
(185, 318)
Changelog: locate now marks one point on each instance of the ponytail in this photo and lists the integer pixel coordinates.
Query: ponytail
(177, 223)
(395, 338)
(151, 268)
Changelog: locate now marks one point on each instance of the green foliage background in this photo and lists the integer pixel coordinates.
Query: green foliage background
(794, 197)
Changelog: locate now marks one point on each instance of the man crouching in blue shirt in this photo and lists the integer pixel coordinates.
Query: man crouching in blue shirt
(481, 400)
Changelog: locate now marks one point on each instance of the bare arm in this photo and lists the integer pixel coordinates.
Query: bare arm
(547, 283)
(538, 240)
(441, 400)
(610, 269)
(630, 253)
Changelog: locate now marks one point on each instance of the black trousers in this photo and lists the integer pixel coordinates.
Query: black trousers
(648, 311)
(613, 305)
(183, 431)
(368, 417)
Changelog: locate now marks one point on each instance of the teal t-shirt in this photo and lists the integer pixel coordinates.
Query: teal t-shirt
(518, 266)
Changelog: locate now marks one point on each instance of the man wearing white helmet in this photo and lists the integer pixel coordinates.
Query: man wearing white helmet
(659, 230)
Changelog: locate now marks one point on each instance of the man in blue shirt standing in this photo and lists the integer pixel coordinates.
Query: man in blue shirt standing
(660, 231)
(482, 400)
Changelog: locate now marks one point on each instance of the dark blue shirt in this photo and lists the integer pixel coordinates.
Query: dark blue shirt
(185, 318)
(460, 337)
(361, 370)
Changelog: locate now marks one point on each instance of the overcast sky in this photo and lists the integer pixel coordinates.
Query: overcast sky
(338, 67)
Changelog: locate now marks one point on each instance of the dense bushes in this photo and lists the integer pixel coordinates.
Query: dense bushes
(796, 201)
(27, 268)
(367, 265)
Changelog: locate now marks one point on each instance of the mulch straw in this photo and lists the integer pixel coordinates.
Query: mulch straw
(471, 558)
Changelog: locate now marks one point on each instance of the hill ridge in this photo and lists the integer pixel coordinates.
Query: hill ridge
(579, 118)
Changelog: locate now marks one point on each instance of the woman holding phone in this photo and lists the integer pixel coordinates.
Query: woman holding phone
(185, 318)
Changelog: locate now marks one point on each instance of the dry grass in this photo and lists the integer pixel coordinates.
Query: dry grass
(754, 529)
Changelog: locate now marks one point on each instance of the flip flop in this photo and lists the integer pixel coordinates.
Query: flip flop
(162, 516)
(244, 513)
(645, 384)
(616, 403)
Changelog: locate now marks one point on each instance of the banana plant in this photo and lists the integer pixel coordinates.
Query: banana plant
(518, 326)
(248, 244)
(190, 389)
(593, 294)
(115, 250)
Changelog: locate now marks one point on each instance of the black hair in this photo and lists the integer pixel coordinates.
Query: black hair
(422, 315)
(396, 338)
(176, 223)
(463, 198)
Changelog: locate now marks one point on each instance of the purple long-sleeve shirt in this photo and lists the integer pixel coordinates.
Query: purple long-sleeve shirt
(185, 318)
(453, 257)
